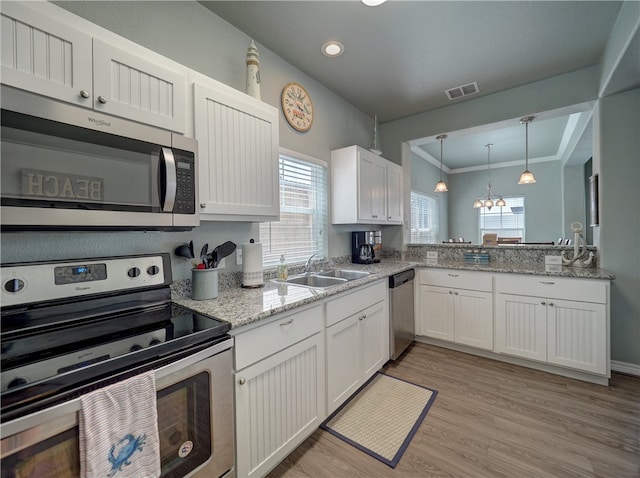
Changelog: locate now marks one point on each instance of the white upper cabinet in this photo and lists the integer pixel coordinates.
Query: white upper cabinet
(238, 150)
(50, 58)
(365, 188)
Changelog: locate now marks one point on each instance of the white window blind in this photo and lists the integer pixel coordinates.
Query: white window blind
(506, 221)
(302, 228)
(424, 218)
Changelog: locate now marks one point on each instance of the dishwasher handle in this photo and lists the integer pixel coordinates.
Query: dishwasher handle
(400, 278)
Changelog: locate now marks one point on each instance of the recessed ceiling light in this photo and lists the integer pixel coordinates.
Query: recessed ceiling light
(333, 48)
(373, 3)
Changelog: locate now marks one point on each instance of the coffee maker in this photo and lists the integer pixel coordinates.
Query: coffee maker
(366, 247)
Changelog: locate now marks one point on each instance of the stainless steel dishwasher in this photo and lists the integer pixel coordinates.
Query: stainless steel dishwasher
(401, 312)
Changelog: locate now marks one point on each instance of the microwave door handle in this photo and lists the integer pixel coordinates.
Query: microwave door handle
(170, 184)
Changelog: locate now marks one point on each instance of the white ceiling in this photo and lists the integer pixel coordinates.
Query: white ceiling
(401, 56)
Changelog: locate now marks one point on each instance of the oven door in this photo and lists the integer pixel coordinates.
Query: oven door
(195, 404)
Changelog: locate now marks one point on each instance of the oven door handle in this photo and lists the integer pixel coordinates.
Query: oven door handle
(169, 183)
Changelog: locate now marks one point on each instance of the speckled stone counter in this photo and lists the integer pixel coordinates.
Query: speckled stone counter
(240, 306)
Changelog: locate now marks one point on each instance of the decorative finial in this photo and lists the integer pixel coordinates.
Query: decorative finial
(253, 71)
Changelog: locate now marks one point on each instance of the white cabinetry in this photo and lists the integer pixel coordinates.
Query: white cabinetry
(357, 338)
(456, 306)
(280, 388)
(238, 146)
(365, 188)
(556, 320)
(51, 58)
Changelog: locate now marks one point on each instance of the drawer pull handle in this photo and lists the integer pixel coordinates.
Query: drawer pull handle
(288, 322)
(453, 275)
(242, 381)
(547, 282)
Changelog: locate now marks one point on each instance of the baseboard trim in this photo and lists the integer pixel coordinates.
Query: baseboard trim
(543, 367)
(625, 367)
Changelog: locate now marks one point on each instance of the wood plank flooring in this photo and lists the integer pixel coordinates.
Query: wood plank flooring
(493, 419)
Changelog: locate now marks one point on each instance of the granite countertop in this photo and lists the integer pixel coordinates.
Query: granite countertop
(240, 306)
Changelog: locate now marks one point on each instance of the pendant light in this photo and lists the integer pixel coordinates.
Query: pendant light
(527, 176)
(441, 186)
(488, 201)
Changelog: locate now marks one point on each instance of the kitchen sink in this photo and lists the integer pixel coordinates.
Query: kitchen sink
(315, 280)
(343, 274)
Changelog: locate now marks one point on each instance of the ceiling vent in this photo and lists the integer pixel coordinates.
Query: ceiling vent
(464, 90)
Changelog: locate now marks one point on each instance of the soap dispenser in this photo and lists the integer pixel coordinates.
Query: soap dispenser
(283, 272)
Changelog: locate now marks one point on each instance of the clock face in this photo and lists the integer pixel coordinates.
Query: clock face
(297, 106)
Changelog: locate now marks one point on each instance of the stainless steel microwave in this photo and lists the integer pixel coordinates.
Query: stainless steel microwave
(69, 167)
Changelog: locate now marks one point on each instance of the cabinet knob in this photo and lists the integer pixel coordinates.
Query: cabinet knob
(450, 292)
(455, 293)
(543, 303)
(203, 205)
(84, 93)
(242, 381)
(550, 304)
(102, 99)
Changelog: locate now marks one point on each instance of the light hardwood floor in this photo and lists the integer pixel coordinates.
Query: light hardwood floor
(493, 419)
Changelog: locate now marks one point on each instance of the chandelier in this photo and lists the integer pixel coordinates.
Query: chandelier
(488, 201)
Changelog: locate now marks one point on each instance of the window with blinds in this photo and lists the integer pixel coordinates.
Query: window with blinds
(302, 228)
(506, 221)
(424, 218)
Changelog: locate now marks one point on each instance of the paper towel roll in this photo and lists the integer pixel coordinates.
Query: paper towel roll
(252, 265)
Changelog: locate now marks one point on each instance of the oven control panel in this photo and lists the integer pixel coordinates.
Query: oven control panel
(28, 283)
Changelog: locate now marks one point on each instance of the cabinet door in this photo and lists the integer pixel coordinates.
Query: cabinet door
(238, 144)
(132, 87)
(375, 338)
(45, 56)
(521, 326)
(371, 188)
(279, 402)
(436, 312)
(394, 193)
(577, 333)
(473, 318)
(344, 360)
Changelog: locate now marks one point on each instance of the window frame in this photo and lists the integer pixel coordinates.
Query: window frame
(483, 230)
(415, 238)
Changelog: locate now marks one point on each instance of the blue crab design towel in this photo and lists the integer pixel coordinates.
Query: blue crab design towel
(119, 430)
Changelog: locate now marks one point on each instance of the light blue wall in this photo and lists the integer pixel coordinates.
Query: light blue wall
(424, 177)
(189, 34)
(619, 155)
(574, 199)
(543, 200)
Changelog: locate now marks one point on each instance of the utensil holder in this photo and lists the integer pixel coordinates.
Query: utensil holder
(204, 284)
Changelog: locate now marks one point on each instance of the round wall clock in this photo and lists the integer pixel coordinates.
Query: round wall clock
(297, 106)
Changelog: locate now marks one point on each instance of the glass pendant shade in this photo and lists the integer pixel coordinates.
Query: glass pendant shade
(441, 186)
(501, 202)
(478, 204)
(527, 176)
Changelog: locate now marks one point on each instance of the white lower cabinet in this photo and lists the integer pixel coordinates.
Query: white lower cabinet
(558, 321)
(357, 341)
(279, 389)
(456, 306)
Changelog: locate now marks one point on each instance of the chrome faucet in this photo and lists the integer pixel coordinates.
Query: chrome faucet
(307, 266)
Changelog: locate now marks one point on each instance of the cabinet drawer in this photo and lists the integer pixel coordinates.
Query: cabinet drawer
(585, 290)
(265, 340)
(350, 303)
(457, 279)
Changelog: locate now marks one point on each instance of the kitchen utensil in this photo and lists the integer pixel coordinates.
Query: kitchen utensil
(184, 251)
(222, 251)
(191, 249)
(203, 253)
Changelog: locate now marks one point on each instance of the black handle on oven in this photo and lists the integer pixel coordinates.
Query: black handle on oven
(168, 179)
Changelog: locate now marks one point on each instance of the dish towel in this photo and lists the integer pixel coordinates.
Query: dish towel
(119, 430)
